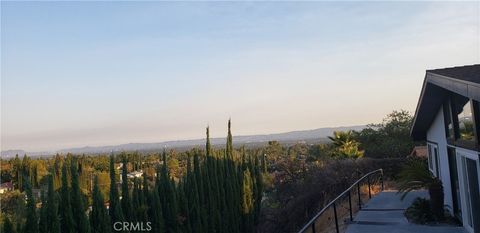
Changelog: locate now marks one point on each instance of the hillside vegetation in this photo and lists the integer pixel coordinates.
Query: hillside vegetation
(273, 188)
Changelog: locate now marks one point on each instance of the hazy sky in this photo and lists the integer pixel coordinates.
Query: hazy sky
(101, 73)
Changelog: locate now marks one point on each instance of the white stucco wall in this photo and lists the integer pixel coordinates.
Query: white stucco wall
(436, 134)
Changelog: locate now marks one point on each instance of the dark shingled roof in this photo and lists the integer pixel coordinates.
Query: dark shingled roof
(437, 87)
(469, 73)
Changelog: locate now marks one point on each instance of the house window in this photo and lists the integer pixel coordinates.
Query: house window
(465, 114)
(449, 126)
(465, 123)
(452, 163)
(433, 159)
(476, 120)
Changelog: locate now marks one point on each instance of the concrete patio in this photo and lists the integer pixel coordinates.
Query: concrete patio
(384, 213)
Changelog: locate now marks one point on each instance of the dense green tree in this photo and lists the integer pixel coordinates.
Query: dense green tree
(258, 194)
(53, 220)
(31, 224)
(264, 164)
(42, 223)
(144, 200)
(247, 202)
(136, 205)
(18, 175)
(34, 175)
(66, 215)
(115, 210)
(168, 197)
(126, 201)
(8, 226)
(156, 213)
(391, 138)
(219, 193)
(273, 151)
(229, 146)
(99, 219)
(191, 188)
(183, 208)
(78, 206)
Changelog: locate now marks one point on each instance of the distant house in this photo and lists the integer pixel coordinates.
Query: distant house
(448, 119)
(134, 174)
(419, 151)
(5, 187)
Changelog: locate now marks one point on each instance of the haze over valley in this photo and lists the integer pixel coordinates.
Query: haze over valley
(313, 135)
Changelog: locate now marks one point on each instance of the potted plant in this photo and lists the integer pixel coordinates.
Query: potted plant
(415, 175)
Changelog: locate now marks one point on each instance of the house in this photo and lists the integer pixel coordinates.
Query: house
(448, 119)
(133, 175)
(419, 151)
(5, 187)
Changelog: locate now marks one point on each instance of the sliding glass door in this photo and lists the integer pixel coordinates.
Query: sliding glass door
(469, 173)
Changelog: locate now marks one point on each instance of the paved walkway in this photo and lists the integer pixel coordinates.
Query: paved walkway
(384, 213)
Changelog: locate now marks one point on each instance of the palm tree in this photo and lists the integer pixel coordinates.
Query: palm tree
(341, 137)
(415, 175)
(346, 146)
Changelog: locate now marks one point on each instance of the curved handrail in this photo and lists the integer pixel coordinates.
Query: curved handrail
(312, 221)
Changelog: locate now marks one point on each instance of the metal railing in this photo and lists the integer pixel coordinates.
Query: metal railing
(332, 204)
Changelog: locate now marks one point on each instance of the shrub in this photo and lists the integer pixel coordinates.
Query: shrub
(420, 212)
(296, 199)
(415, 175)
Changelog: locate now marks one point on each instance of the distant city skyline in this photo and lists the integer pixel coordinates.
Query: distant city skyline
(79, 74)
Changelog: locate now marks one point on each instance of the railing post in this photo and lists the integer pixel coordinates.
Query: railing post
(358, 183)
(359, 198)
(369, 190)
(381, 178)
(350, 205)
(336, 218)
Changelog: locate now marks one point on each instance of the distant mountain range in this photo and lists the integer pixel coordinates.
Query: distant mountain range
(314, 135)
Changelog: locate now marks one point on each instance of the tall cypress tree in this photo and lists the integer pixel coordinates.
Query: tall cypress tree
(193, 200)
(208, 146)
(169, 203)
(8, 226)
(145, 198)
(156, 213)
(78, 207)
(25, 171)
(136, 200)
(126, 201)
(43, 223)
(99, 218)
(56, 171)
(18, 175)
(66, 216)
(52, 207)
(264, 163)
(115, 210)
(31, 225)
(35, 175)
(199, 177)
(247, 202)
(183, 208)
(258, 194)
(229, 146)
